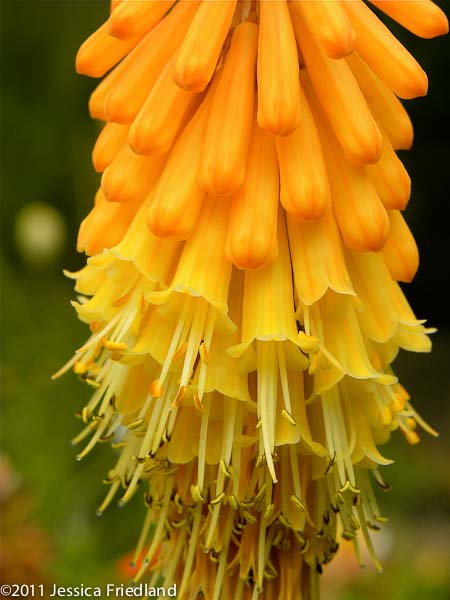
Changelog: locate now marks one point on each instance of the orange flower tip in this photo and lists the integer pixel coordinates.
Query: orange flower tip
(418, 87)
(311, 210)
(376, 242)
(122, 113)
(220, 184)
(167, 226)
(98, 166)
(112, 184)
(371, 240)
(366, 154)
(440, 25)
(407, 273)
(404, 193)
(190, 80)
(425, 19)
(251, 259)
(116, 28)
(435, 25)
(281, 126)
(83, 239)
(142, 145)
(138, 145)
(85, 64)
(338, 47)
(408, 140)
(95, 111)
(120, 24)
(112, 194)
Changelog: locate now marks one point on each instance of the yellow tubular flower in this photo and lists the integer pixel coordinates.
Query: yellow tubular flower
(108, 144)
(305, 192)
(421, 17)
(400, 251)
(100, 52)
(131, 17)
(352, 193)
(97, 99)
(142, 66)
(241, 287)
(227, 133)
(317, 259)
(129, 176)
(390, 179)
(178, 196)
(384, 53)
(200, 50)
(384, 104)
(156, 125)
(252, 235)
(340, 98)
(105, 225)
(278, 86)
(329, 24)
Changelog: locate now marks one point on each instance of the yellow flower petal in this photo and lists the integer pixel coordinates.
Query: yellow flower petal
(383, 304)
(186, 432)
(268, 309)
(152, 257)
(203, 269)
(413, 339)
(334, 321)
(317, 259)
(134, 391)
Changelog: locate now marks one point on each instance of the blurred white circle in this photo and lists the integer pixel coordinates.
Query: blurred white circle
(40, 233)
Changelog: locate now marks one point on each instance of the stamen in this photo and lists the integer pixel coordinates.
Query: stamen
(202, 445)
(191, 551)
(159, 531)
(266, 400)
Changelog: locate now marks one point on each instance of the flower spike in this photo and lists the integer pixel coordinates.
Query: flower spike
(241, 285)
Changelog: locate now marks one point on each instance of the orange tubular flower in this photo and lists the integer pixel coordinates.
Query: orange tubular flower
(241, 287)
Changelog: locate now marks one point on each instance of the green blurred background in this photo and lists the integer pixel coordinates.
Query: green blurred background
(47, 137)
